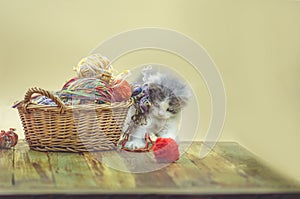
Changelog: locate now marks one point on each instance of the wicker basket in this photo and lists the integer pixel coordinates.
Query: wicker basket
(71, 128)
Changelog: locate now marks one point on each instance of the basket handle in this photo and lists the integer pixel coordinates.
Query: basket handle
(45, 93)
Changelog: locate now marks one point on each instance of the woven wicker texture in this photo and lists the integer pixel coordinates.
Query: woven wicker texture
(77, 128)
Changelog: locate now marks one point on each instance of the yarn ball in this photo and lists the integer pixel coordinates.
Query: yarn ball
(86, 90)
(165, 150)
(93, 66)
(121, 91)
(8, 139)
(43, 100)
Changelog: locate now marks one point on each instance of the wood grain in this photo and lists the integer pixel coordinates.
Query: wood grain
(71, 170)
(106, 177)
(253, 168)
(185, 173)
(6, 167)
(218, 171)
(229, 171)
(31, 168)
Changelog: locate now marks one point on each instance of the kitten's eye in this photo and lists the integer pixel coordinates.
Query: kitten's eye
(171, 110)
(156, 104)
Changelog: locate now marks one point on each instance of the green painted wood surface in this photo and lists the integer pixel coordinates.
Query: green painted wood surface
(31, 169)
(6, 167)
(228, 169)
(251, 167)
(71, 170)
(106, 177)
(218, 171)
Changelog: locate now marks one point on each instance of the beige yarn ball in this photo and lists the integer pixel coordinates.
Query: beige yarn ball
(94, 66)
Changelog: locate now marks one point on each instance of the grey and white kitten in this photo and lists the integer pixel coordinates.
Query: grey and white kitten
(168, 95)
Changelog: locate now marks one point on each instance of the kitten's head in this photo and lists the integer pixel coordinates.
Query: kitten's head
(165, 103)
(167, 80)
(167, 93)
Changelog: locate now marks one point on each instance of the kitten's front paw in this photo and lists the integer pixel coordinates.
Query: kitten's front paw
(135, 144)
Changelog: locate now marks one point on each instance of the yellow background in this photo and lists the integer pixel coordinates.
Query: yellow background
(255, 44)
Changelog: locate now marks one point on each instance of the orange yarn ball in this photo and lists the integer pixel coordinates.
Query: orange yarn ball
(122, 91)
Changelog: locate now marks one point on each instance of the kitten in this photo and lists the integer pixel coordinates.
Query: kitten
(167, 96)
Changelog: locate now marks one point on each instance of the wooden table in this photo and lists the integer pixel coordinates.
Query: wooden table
(229, 171)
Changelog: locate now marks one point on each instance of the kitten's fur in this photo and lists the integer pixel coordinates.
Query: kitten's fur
(168, 96)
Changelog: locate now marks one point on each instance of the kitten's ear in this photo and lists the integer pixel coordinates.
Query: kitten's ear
(183, 102)
(154, 91)
(184, 94)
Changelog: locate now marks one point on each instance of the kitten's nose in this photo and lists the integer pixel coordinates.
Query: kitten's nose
(161, 113)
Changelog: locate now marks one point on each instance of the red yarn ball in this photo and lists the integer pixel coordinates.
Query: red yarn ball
(166, 150)
(121, 92)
